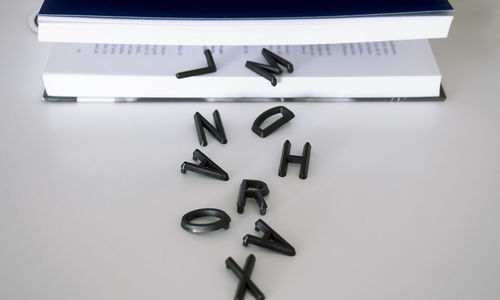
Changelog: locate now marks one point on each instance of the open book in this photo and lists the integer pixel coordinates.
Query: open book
(374, 69)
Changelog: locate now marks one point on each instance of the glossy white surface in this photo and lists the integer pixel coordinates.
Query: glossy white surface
(402, 199)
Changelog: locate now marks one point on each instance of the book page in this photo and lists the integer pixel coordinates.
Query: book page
(399, 58)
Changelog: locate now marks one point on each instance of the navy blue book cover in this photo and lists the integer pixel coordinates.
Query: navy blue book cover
(236, 9)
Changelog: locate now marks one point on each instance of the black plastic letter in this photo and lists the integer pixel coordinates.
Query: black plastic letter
(302, 160)
(188, 225)
(287, 115)
(270, 240)
(217, 131)
(211, 68)
(252, 189)
(267, 71)
(206, 167)
(244, 276)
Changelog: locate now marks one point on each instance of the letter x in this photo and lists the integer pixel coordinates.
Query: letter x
(244, 276)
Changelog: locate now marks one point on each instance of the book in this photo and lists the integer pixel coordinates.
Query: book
(228, 22)
(359, 70)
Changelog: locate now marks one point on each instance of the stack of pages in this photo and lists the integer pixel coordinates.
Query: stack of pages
(103, 49)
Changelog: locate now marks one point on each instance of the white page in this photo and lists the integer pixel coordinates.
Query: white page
(335, 70)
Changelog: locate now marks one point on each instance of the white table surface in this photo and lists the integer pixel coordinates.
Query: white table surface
(402, 199)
